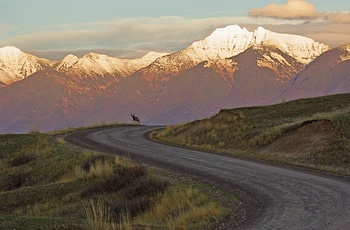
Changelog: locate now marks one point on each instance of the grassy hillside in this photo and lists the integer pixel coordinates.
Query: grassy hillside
(312, 132)
(47, 184)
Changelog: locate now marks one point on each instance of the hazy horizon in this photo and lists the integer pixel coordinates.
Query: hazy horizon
(131, 29)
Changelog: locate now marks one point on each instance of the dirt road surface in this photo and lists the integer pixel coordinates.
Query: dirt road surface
(277, 197)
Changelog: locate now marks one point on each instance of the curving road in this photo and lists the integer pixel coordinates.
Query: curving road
(278, 197)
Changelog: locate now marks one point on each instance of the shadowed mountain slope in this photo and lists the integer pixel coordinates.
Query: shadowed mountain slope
(328, 74)
(230, 68)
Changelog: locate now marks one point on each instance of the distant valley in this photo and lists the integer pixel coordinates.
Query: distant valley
(230, 68)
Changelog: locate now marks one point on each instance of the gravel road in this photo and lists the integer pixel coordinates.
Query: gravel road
(278, 197)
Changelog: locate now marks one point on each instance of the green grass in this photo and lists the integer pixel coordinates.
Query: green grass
(47, 184)
(249, 131)
(191, 210)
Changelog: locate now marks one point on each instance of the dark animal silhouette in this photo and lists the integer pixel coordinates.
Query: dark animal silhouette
(135, 119)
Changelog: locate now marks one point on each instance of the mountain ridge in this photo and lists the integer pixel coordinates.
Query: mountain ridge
(222, 43)
(100, 64)
(225, 43)
(16, 65)
(163, 88)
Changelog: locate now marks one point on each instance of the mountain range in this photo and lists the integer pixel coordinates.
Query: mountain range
(230, 68)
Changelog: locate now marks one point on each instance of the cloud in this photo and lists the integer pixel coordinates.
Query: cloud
(133, 37)
(293, 9)
(164, 34)
(338, 17)
(299, 9)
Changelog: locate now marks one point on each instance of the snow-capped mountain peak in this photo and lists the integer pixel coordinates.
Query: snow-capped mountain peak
(223, 43)
(259, 34)
(301, 48)
(227, 34)
(16, 65)
(10, 52)
(232, 40)
(228, 42)
(93, 64)
(68, 62)
(90, 64)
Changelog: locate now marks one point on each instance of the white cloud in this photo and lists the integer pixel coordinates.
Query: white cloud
(293, 9)
(136, 36)
(158, 34)
(299, 9)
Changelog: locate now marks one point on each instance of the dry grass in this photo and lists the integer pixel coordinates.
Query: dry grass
(52, 207)
(181, 208)
(98, 170)
(98, 217)
(247, 131)
(44, 183)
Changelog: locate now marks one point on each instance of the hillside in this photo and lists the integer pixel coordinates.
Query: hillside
(313, 133)
(46, 183)
(230, 68)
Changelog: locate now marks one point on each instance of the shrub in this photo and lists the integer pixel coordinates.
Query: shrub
(145, 187)
(21, 160)
(121, 177)
(15, 181)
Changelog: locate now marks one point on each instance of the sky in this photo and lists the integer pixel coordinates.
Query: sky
(128, 29)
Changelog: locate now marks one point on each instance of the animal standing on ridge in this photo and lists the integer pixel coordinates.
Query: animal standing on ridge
(135, 119)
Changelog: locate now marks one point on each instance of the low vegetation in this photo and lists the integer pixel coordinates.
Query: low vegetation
(313, 133)
(47, 184)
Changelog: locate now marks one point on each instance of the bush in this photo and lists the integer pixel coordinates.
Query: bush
(121, 178)
(15, 181)
(21, 160)
(145, 187)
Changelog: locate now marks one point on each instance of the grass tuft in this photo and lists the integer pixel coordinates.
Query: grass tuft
(181, 208)
(98, 216)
